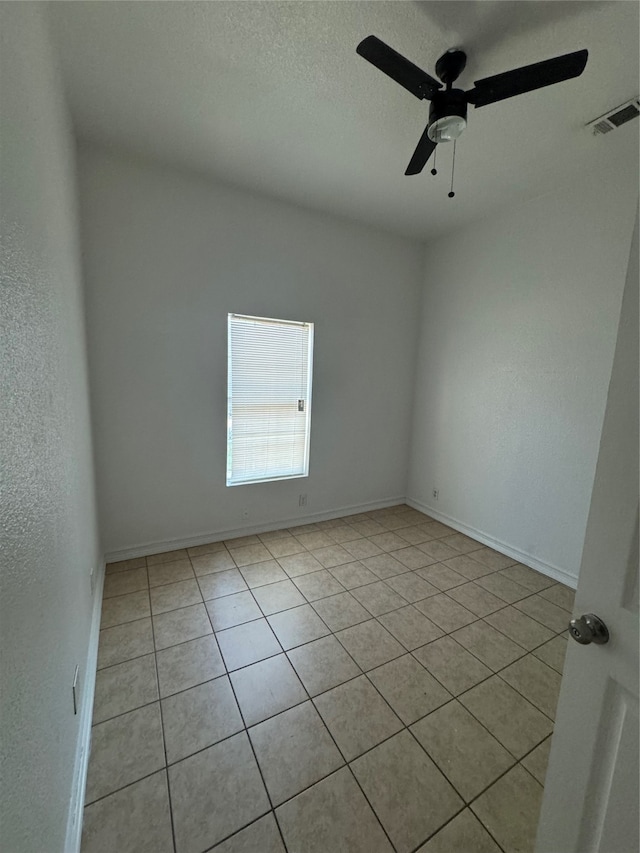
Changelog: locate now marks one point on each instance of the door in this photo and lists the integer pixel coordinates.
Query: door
(591, 792)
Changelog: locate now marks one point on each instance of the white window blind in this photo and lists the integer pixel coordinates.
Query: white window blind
(269, 399)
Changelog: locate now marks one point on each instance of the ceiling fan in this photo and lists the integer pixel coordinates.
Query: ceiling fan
(448, 110)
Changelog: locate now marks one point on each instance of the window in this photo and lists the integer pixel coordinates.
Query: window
(268, 398)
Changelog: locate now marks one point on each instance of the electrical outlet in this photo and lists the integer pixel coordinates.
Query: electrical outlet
(302, 500)
(92, 579)
(74, 688)
(245, 513)
(435, 494)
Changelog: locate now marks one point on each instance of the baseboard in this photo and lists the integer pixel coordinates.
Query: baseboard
(526, 559)
(247, 530)
(76, 806)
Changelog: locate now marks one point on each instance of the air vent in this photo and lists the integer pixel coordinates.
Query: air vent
(615, 118)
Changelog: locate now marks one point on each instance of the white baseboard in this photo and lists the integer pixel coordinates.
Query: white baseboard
(76, 806)
(218, 535)
(526, 559)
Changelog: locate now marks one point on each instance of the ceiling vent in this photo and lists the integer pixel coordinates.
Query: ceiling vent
(614, 118)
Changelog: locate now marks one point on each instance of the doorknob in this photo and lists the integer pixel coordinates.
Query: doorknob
(589, 629)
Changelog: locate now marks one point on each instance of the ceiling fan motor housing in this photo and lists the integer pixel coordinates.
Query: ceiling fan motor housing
(447, 115)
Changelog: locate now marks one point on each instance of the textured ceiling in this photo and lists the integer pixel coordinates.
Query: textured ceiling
(272, 96)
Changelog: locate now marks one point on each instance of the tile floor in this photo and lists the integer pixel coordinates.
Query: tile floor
(373, 683)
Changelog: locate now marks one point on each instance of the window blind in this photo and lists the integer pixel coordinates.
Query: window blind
(269, 399)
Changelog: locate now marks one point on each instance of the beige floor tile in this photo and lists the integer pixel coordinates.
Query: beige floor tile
(464, 834)
(123, 750)
(135, 820)
(370, 644)
(303, 528)
(410, 627)
(465, 565)
(229, 769)
(519, 627)
(294, 750)
(396, 523)
(232, 610)
(411, 586)
(163, 573)
(332, 555)
(461, 543)
(125, 565)
(438, 551)
(509, 717)
(368, 527)
(560, 595)
(407, 686)
(125, 608)
(476, 599)
(125, 686)
(553, 653)
(398, 778)
(353, 574)
(260, 574)
(510, 810)
(178, 626)
(122, 583)
(490, 646)
(536, 681)
(284, 547)
(248, 643)
(297, 626)
(167, 557)
(389, 541)
(344, 533)
(208, 548)
(438, 531)
(275, 597)
(247, 555)
(300, 564)
(273, 535)
(174, 595)
(353, 827)
(412, 557)
(221, 583)
(362, 549)
(452, 665)
(537, 760)
(441, 576)
(314, 540)
(340, 611)
(445, 612)
(384, 566)
(199, 717)
(532, 580)
(323, 664)
(262, 836)
(504, 588)
(357, 716)
(415, 535)
(188, 664)
(266, 688)
(318, 585)
(463, 749)
(545, 612)
(124, 642)
(493, 560)
(378, 598)
(219, 561)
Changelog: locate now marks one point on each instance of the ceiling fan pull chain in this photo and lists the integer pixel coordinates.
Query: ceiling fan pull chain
(453, 165)
(434, 171)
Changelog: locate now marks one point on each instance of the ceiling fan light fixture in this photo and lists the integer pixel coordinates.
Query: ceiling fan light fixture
(446, 129)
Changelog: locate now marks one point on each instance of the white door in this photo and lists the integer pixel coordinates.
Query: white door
(591, 791)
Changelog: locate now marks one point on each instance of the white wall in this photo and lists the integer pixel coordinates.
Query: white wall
(518, 331)
(48, 527)
(167, 255)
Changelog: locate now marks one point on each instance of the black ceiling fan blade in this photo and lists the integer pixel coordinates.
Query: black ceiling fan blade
(424, 150)
(417, 81)
(528, 78)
